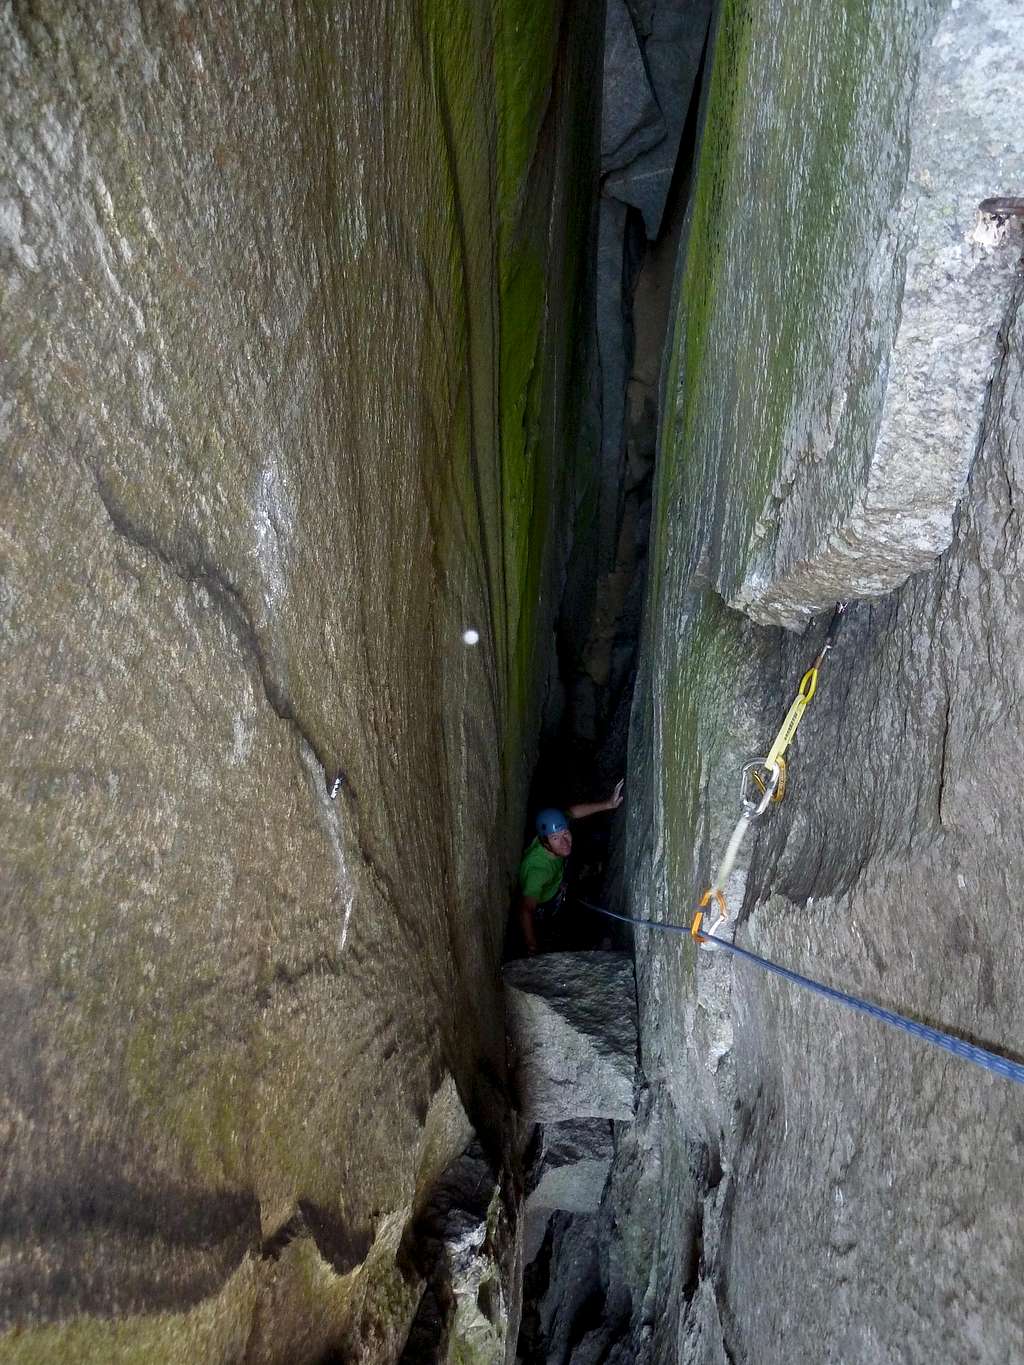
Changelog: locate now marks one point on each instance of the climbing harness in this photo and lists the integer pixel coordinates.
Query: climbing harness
(763, 780)
(969, 1052)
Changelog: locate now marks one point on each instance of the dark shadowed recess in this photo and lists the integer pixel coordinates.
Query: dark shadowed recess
(577, 1301)
(586, 723)
(457, 1205)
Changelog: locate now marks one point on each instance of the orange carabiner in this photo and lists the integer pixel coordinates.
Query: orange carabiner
(706, 900)
(696, 931)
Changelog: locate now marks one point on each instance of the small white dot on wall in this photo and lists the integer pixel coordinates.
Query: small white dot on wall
(470, 637)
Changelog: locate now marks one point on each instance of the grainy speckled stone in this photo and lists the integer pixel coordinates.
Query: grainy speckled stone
(829, 1188)
(572, 1164)
(631, 120)
(569, 1172)
(941, 276)
(894, 877)
(461, 1243)
(262, 272)
(572, 1029)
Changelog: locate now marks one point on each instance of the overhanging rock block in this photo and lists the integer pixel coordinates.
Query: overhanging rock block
(571, 1020)
(942, 280)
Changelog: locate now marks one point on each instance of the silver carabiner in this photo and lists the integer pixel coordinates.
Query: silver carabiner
(753, 806)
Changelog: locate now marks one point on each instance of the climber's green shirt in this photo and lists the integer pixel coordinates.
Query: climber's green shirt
(540, 873)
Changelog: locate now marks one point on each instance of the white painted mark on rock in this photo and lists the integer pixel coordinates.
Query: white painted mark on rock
(242, 741)
(273, 517)
(329, 816)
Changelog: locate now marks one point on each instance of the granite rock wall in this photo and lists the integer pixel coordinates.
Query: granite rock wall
(286, 343)
(827, 1189)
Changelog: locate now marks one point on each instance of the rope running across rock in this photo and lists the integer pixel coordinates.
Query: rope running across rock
(763, 782)
(959, 1047)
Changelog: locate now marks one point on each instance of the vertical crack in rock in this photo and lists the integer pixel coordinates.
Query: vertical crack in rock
(943, 755)
(649, 141)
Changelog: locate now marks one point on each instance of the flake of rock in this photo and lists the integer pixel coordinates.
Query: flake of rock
(838, 1152)
(572, 1165)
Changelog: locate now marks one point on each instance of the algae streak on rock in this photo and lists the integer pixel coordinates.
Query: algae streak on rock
(261, 274)
(831, 1171)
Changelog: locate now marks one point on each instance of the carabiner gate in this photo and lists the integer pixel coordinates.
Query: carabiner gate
(759, 783)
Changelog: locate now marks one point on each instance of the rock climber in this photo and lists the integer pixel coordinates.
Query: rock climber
(542, 870)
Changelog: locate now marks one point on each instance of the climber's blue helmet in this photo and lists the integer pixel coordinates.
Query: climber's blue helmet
(550, 822)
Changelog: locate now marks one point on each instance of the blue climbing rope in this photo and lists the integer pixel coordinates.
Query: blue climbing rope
(969, 1052)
